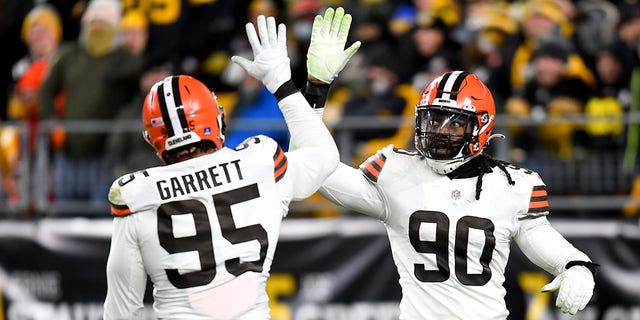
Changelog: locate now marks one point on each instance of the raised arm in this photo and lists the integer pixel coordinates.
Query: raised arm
(317, 155)
(326, 57)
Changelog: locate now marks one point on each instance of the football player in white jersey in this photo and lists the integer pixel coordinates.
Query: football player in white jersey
(204, 227)
(450, 210)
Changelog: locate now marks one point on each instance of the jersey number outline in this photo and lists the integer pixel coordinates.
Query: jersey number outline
(202, 241)
(440, 247)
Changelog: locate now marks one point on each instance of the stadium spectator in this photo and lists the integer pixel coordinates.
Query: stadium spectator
(612, 99)
(255, 103)
(594, 24)
(487, 28)
(135, 32)
(97, 77)
(550, 95)
(376, 100)
(450, 210)
(541, 21)
(42, 34)
(125, 151)
(223, 205)
(12, 14)
(371, 28)
(628, 27)
(427, 50)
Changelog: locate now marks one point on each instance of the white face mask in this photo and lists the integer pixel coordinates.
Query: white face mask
(380, 86)
(99, 40)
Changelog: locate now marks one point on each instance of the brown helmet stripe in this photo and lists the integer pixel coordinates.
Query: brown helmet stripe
(164, 110)
(175, 87)
(442, 83)
(171, 107)
(450, 85)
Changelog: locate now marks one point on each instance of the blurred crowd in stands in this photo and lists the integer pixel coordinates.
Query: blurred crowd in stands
(565, 76)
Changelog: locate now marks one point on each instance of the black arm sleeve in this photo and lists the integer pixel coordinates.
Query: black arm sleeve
(593, 267)
(316, 94)
(286, 89)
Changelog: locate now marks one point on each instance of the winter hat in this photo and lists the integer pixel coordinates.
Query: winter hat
(134, 19)
(46, 14)
(109, 11)
(553, 50)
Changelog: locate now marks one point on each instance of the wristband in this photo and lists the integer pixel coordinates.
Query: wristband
(286, 89)
(316, 94)
(591, 266)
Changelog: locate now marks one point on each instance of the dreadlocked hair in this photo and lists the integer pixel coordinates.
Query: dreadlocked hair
(486, 163)
(186, 152)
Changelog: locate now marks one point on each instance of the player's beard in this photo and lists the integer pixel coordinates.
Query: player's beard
(444, 146)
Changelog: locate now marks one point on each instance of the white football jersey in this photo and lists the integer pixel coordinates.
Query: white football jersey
(205, 232)
(450, 249)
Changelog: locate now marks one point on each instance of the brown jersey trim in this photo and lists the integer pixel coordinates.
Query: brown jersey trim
(120, 210)
(372, 167)
(539, 201)
(280, 163)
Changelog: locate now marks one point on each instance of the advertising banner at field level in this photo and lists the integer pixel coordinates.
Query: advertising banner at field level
(323, 270)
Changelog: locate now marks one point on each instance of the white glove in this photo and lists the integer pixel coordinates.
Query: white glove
(326, 58)
(576, 287)
(271, 62)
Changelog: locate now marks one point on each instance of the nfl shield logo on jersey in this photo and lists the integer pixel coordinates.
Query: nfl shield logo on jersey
(455, 194)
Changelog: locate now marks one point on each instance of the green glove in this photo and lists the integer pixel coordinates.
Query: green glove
(326, 57)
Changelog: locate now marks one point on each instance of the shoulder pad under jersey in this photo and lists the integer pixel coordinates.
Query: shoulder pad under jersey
(262, 143)
(538, 202)
(533, 184)
(117, 202)
(127, 187)
(372, 167)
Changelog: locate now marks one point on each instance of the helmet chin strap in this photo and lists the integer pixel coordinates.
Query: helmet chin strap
(448, 166)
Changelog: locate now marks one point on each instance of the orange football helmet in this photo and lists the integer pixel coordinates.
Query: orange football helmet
(454, 120)
(179, 111)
